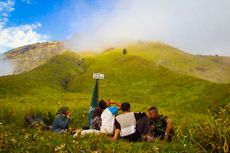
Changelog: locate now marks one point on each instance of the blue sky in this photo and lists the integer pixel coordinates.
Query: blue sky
(55, 16)
(28, 21)
(196, 26)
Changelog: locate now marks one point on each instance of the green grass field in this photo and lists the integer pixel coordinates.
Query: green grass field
(200, 109)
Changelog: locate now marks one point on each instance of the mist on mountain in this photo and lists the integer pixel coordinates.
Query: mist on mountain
(204, 31)
(6, 66)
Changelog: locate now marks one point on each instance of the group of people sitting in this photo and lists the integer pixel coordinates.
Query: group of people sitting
(128, 125)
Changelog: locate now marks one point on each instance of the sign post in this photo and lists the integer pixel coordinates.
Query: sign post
(98, 76)
(95, 95)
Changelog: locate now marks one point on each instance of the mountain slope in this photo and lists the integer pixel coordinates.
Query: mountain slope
(212, 68)
(202, 67)
(136, 79)
(66, 80)
(53, 76)
(127, 78)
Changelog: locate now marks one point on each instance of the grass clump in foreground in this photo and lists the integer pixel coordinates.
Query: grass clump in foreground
(194, 133)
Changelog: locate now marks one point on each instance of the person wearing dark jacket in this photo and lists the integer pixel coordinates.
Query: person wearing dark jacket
(61, 121)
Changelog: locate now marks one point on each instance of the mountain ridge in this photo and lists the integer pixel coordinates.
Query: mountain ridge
(212, 68)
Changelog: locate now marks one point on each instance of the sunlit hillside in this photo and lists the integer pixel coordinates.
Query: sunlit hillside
(144, 77)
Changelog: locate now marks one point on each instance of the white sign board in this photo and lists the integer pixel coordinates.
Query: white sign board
(98, 76)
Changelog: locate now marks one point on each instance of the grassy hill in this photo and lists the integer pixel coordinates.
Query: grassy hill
(138, 77)
(212, 68)
(135, 78)
(54, 75)
(128, 78)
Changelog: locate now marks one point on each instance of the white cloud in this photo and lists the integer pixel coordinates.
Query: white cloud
(12, 37)
(16, 36)
(201, 27)
(6, 7)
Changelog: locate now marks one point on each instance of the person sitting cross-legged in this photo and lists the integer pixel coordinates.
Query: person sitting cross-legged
(156, 126)
(125, 124)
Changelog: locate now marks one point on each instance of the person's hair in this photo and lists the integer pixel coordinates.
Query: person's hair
(125, 106)
(153, 108)
(102, 104)
(63, 110)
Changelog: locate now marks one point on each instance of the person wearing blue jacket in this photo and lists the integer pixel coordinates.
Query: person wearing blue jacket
(62, 120)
